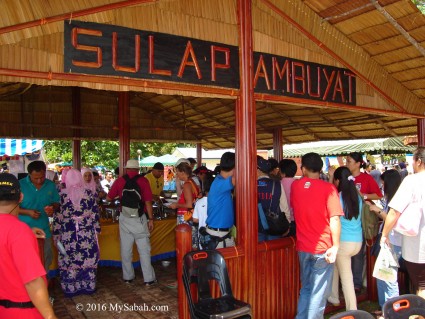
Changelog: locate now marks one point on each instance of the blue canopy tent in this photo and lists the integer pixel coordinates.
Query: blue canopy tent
(12, 147)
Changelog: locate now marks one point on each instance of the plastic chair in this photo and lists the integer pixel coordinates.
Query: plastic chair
(403, 306)
(353, 314)
(199, 267)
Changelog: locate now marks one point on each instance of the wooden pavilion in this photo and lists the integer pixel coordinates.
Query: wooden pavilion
(223, 73)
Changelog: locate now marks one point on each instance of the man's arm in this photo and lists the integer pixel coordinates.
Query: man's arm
(149, 210)
(37, 291)
(29, 212)
(390, 221)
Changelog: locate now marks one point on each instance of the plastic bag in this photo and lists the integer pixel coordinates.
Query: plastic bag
(386, 265)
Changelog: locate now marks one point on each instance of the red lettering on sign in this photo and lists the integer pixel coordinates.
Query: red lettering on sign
(152, 69)
(350, 85)
(214, 65)
(309, 80)
(298, 78)
(115, 65)
(338, 87)
(189, 50)
(261, 71)
(328, 86)
(74, 41)
(281, 73)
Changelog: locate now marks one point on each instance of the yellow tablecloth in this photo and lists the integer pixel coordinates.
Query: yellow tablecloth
(163, 243)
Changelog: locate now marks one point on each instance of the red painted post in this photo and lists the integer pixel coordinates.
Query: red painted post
(421, 132)
(183, 245)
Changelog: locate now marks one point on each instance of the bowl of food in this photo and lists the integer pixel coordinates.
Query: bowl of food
(168, 194)
(165, 263)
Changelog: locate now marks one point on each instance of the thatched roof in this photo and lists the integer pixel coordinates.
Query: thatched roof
(382, 42)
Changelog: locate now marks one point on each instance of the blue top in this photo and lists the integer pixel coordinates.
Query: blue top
(351, 230)
(220, 203)
(37, 199)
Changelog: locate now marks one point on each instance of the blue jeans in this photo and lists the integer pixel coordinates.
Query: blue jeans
(264, 237)
(387, 290)
(316, 281)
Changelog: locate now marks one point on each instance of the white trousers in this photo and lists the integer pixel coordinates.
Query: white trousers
(135, 230)
(343, 269)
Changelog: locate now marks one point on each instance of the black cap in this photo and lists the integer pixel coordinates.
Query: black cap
(10, 188)
(159, 166)
(263, 165)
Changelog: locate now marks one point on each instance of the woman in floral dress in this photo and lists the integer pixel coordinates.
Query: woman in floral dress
(76, 228)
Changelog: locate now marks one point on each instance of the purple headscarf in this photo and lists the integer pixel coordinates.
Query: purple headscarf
(92, 185)
(74, 189)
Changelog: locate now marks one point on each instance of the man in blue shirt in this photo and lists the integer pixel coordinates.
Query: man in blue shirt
(41, 199)
(221, 215)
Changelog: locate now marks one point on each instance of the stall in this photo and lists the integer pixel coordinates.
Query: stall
(162, 243)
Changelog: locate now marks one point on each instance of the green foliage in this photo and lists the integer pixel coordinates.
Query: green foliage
(420, 4)
(104, 153)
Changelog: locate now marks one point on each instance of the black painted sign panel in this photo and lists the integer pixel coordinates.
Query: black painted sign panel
(92, 48)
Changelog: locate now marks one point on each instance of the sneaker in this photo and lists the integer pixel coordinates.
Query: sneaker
(334, 301)
(151, 283)
(128, 281)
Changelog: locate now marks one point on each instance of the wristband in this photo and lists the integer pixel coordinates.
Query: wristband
(365, 197)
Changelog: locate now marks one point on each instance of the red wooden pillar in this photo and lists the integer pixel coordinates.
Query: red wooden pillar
(277, 144)
(246, 150)
(124, 127)
(76, 120)
(421, 132)
(183, 246)
(199, 154)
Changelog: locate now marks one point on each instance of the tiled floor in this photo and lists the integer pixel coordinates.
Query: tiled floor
(137, 301)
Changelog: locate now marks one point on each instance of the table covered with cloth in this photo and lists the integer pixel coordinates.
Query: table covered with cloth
(163, 243)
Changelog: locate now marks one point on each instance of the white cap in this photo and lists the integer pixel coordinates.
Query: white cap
(182, 160)
(132, 164)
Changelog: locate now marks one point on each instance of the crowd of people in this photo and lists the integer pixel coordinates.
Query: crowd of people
(327, 226)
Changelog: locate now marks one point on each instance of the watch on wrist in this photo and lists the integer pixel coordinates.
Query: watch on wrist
(365, 197)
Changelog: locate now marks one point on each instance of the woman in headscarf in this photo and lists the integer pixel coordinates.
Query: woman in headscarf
(75, 231)
(89, 182)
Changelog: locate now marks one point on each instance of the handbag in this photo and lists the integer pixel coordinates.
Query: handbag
(410, 219)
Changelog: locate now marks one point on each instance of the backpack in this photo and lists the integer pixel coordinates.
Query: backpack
(132, 204)
(273, 223)
(370, 222)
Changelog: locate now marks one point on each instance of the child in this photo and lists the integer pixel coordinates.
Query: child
(200, 211)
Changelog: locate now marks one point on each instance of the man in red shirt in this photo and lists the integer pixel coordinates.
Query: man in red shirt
(23, 288)
(317, 210)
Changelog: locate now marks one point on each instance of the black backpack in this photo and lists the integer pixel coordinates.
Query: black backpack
(132, 204)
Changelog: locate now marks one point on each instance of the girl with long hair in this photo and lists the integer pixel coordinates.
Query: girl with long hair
(391, 180)
(350, 239)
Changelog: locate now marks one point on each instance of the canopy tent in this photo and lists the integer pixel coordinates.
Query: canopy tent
(13, 147)
(392, 145)
(167, 159)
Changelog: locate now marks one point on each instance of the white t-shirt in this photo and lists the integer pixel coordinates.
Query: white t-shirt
(200, 211)
(412, 189)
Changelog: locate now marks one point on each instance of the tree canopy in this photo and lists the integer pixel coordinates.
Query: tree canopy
(104, 153)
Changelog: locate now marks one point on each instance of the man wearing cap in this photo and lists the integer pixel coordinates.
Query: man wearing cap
(156, 180)
(23, 289)
(135, 229)
(41, 199)
(271, 195)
